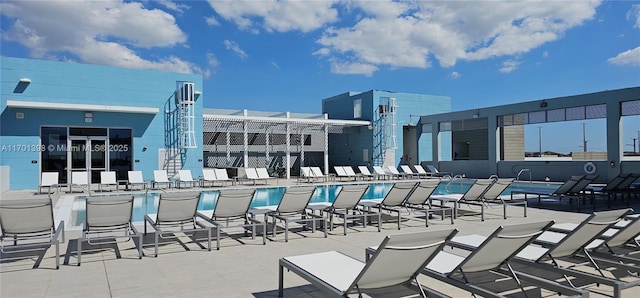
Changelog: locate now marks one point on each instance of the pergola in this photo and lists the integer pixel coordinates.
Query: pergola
(264, 126)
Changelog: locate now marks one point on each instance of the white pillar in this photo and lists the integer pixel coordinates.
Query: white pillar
(326, 146)
(288, 150)
(245, 140)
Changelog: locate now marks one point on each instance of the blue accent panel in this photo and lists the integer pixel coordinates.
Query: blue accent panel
(341, 107)
(74, 83)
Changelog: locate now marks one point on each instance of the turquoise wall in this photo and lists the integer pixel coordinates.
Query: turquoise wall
(73, 83)
(346, 148)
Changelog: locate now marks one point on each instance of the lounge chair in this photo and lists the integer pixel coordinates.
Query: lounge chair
(341, 174)
(393, 171)
(160, 177)
(28, 225)
(568, 189)
(317, 172)
(420, 201)
(620, 243)
(81, 180)
(492, 196)
(264, 175)
(293, 208)
(351, 173)
(176, 213)
(208, 175)
(222, 176)
(487, 271)
(49, 179)
(473, 193)
(620, 185)
(108, 179)
(135, 178)
(252, 175)
(421, 171)
(393, 200)
(408, 172)
(306, 174)
(232, 211)
(345, 206)
(365, 173)
(570, 250)
(106, 220)
(184, 176)
(579, 191)
(435, 172)
(398, 260)
(379, 171)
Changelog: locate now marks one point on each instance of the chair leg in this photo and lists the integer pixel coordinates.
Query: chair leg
(57, 254)
(79, 251)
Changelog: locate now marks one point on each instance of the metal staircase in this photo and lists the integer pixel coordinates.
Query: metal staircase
(384, 136)
(185, 102)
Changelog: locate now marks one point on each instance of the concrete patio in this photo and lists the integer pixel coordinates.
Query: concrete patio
(241, 268)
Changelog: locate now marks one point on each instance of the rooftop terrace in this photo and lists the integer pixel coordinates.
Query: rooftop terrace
(241, 268)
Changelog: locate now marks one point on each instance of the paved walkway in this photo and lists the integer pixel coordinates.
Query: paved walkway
(241, 268)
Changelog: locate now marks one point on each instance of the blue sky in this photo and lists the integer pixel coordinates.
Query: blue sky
(288, 55)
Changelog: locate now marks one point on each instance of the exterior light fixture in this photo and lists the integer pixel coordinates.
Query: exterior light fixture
(543, 104)
(25, 80)
(88, 117)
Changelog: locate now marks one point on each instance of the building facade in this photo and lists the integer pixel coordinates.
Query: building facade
(393, 137)
(66, 117)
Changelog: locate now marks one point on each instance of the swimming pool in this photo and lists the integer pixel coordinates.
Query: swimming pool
(270, 196)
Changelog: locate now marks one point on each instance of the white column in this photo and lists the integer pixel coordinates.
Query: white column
(245, 140)
(288, 150)
(326, 146)
(228, 147)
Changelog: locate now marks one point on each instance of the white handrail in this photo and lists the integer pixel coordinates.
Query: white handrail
(522, 171)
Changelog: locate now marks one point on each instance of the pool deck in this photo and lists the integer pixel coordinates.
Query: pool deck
(242, 267)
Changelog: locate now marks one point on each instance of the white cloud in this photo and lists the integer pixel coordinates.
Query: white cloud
(509, 66)
(211, 21)
(634, 13)
(630, 57)
(281, 16)
(409, 34)
(545, 54)
(101, 32)
(180, 8)
(234, 47)
(353, 68)
(455, 75)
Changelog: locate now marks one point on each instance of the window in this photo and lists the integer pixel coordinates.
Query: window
(357, 108)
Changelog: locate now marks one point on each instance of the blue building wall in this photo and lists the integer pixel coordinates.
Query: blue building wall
(347, 148)
(74, 83)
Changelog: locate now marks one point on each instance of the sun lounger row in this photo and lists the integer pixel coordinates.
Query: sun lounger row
(347, 173)
(110, 217)
(161, 179)
(504, 263)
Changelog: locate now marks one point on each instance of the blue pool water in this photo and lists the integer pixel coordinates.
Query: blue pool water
(270, 196)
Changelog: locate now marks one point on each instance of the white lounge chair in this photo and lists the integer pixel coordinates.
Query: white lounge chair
(492, 260)
(176, 213)
(252, 175)
(565, 251)
(108, 219)
(293, 207)
(420, 201)
(341, 174)
(28, 225)
(108, 179)
(81, 180)
(345, 206)
(365, 173)
(306, 174)
(421, 172)
(317, 172)
(135, 178)
(232, 211)
(393, 200)
(398, 260)
(160, 177)
(393, 171)
(222, 176)
(49, 179)
(379, 171)
(208, 175)
(473, 193)
(408, 172)
(351, 173)
(184, 176)
(263, 174)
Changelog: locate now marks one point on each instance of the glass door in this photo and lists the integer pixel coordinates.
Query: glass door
(88, 154)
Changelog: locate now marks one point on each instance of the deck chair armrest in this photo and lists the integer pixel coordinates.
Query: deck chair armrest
(59, 231)
(152, 223)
